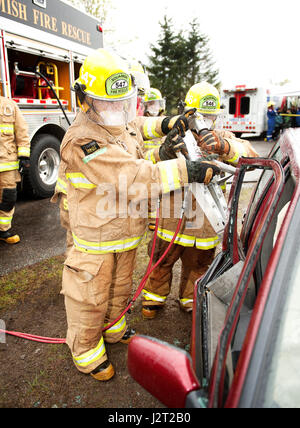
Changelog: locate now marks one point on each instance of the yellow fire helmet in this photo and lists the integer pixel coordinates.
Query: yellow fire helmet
(152, 95)
(271, 103)
(154, 103)
(140, 76)
(204, 97)
(106, 90)
(105, 76)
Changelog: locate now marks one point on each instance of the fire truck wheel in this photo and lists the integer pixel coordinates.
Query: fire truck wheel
(44, 163)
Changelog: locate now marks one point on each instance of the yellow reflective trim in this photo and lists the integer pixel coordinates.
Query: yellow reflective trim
(79, 181)
(149, 128)
(169, 175)
(186, 301)
(152, 144)
(235, 159)
(188, 240)
(152, 296)
(152, 214)
(5, 127)
(184, 240)
(150, 156)
(5, 220)
(106, 247)
(61, 186)
(89, 357)
(208, 243)
(116, 328)
(24, 151)
(240, 151)
(9, 166)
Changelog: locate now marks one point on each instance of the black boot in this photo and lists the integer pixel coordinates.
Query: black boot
(129, 333)
(9, 237)
(103, 372)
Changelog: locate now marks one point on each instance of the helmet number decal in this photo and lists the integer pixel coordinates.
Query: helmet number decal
(88, 78)
(209, 103)
(117, 84)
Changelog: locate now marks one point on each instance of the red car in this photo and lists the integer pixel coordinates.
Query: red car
(245, 345)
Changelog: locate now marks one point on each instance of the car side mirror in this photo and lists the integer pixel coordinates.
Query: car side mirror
(163, 370)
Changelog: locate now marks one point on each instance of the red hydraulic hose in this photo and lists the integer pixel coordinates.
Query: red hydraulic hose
(149, 270)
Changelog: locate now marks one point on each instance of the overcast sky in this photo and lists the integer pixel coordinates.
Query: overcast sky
(253, 42)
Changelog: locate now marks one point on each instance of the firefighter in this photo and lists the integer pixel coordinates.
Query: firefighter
(142, 83)
(14, 156)
(196, 242)
(154, 105)
(107, 181)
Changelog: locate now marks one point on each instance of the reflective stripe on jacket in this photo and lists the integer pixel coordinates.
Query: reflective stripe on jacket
(104, 167)
(14, 139)
(202, 235)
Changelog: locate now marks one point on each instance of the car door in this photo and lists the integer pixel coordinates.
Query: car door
(226, 294)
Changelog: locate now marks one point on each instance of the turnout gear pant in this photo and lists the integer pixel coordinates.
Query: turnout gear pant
(94, 301)
(8, 197)
(195, 263)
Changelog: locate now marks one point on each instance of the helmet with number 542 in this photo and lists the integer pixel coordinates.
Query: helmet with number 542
(106, 90)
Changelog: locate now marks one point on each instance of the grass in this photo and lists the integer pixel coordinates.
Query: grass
(16, 286)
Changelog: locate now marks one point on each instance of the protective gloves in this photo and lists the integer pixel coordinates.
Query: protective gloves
(201, 172)
(24, 163)
(173, 143)
(211, 142)
(178, 122)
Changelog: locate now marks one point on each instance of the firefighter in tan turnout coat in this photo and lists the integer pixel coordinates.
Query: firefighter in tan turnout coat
(14, 155)
(196, 242)
(107, 181)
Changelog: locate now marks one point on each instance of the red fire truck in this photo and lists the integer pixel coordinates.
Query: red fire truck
(42, 46)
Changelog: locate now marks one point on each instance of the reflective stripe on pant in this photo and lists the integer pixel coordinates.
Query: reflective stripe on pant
(195, 263)
(93, 301)
(8, 197)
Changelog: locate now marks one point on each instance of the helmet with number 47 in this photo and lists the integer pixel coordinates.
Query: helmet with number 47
(106, 90)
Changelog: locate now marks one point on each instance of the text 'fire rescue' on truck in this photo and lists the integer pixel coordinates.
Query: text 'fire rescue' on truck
(42, 46)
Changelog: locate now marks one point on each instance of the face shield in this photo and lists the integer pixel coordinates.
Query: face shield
(210, 120)
(155, 107)
(112, 113)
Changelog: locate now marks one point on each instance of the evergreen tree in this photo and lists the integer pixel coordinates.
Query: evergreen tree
(180, 61)
(162, 72)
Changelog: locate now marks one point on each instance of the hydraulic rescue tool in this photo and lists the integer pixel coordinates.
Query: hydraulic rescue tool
(210, 197)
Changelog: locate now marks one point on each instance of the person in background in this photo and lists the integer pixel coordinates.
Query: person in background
(142, 83)
(196, 242)
(154, 106)
(14, 157)
(297, 119)
(271, 113)
(154, 103)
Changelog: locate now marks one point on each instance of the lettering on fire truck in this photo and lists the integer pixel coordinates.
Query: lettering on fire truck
(42, 20)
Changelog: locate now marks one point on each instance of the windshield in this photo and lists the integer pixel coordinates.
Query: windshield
(283, 386)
